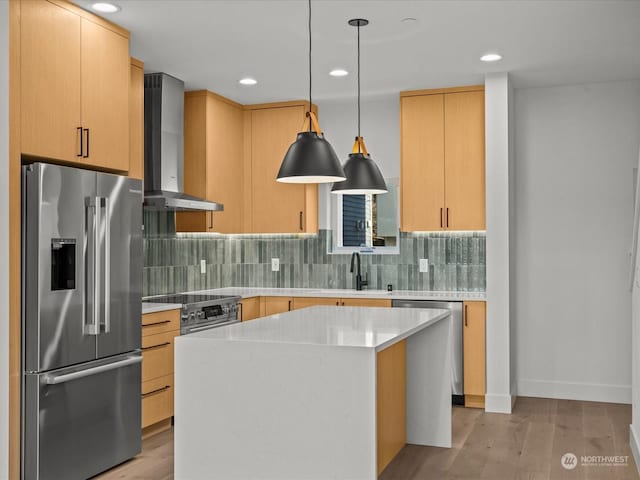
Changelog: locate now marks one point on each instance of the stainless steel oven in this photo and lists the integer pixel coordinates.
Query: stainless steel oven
(202, 311)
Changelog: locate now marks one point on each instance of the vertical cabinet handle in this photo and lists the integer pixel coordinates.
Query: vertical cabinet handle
(86, 131)
(210, 220)
(447, 217)
(301, 228)
(241, 312)
(441, 218)
(79, 132)
(337, 304)
(466, 313)
(289, 305)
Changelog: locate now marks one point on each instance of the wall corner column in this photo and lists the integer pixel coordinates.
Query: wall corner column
(500, 395)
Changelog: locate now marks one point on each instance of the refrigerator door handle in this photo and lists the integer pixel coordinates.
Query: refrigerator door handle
(105, 326)
(90, 325)
(58, 379)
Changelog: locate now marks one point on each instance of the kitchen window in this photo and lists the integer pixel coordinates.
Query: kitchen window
(367, 222)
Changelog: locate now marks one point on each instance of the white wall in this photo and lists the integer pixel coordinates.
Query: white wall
(576, 147)
(4, 239)
(497, 143)
(380, 128)
(634, 431)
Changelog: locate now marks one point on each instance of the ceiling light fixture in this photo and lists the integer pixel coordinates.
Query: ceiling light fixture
(338, 72)
(491, 57)
(247, 81)
(104, 7)
(310, 159)
(363, 175)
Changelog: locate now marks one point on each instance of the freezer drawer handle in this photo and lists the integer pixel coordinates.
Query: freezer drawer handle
(153, 392)
(58, 379)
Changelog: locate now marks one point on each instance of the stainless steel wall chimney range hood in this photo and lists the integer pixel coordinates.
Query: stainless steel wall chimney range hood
(164, 147)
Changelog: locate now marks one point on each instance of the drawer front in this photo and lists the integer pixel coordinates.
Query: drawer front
(304, 302)
(157, 355)
(157, 400)
(160, 322)
(366, 302)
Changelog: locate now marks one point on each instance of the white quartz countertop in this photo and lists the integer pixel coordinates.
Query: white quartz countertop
(150, 307)
(247, 292)
(362, 327)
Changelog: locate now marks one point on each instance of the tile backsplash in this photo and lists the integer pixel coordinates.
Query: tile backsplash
(172, 262)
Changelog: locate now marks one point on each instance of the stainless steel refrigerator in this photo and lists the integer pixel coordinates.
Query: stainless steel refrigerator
(81, 321)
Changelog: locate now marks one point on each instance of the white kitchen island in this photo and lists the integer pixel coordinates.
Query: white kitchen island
(318, 393)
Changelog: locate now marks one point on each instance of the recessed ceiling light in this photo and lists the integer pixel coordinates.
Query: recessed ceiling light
(491, 57)
(104, 7)
(409, 20)
(247, 81)
(338, 72)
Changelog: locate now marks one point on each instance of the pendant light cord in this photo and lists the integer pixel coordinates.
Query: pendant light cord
(359, 151)
(310, 103)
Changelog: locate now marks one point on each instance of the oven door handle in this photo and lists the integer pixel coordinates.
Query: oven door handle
(211, 325)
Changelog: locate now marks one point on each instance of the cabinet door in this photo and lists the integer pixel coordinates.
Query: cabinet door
(422, 163)
(249, 308)
(224, 163)
(105, 96)
(474, 353)
(136, 120)
(195, 163)
(276, 207)
(303, 302)
(273, 305)
(464, 161)
(50, 81)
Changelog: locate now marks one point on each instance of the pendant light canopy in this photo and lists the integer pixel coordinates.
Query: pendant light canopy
(363, 175)
(311, 158)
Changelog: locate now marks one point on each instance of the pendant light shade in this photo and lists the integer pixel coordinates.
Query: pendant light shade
(311, 158)
(363, 175)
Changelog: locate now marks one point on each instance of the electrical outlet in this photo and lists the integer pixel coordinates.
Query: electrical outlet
(275, 264)
(424, 265)
(203, 266)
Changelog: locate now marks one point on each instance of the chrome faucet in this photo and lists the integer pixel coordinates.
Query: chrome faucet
(359, 281)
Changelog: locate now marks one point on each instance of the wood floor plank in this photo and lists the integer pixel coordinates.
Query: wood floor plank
(526, 445)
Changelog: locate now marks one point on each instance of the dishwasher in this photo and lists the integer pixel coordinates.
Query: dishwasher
(457, 320)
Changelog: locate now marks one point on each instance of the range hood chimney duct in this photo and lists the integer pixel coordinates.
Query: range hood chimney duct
(164, 147)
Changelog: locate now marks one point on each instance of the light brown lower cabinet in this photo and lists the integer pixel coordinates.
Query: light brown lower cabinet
(273, 305)
(474, 338)
(303, 302)
(157, 401)
(249, 309)
(158, 332)
(391, 402)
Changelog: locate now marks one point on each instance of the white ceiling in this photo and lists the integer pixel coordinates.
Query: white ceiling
(212, 43)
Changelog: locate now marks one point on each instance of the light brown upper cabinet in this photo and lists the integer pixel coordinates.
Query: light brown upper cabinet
(275, 207)
(136, 119)
(442, 159)
(213, 162)
(74, 79)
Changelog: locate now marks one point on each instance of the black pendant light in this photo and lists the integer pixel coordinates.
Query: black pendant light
(311, 159)
(363, 175)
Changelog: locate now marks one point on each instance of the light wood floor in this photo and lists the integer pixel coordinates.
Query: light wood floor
(526, 445)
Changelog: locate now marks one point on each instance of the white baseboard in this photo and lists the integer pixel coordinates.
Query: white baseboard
(498, 403)
(635, 446)
(592, 392)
